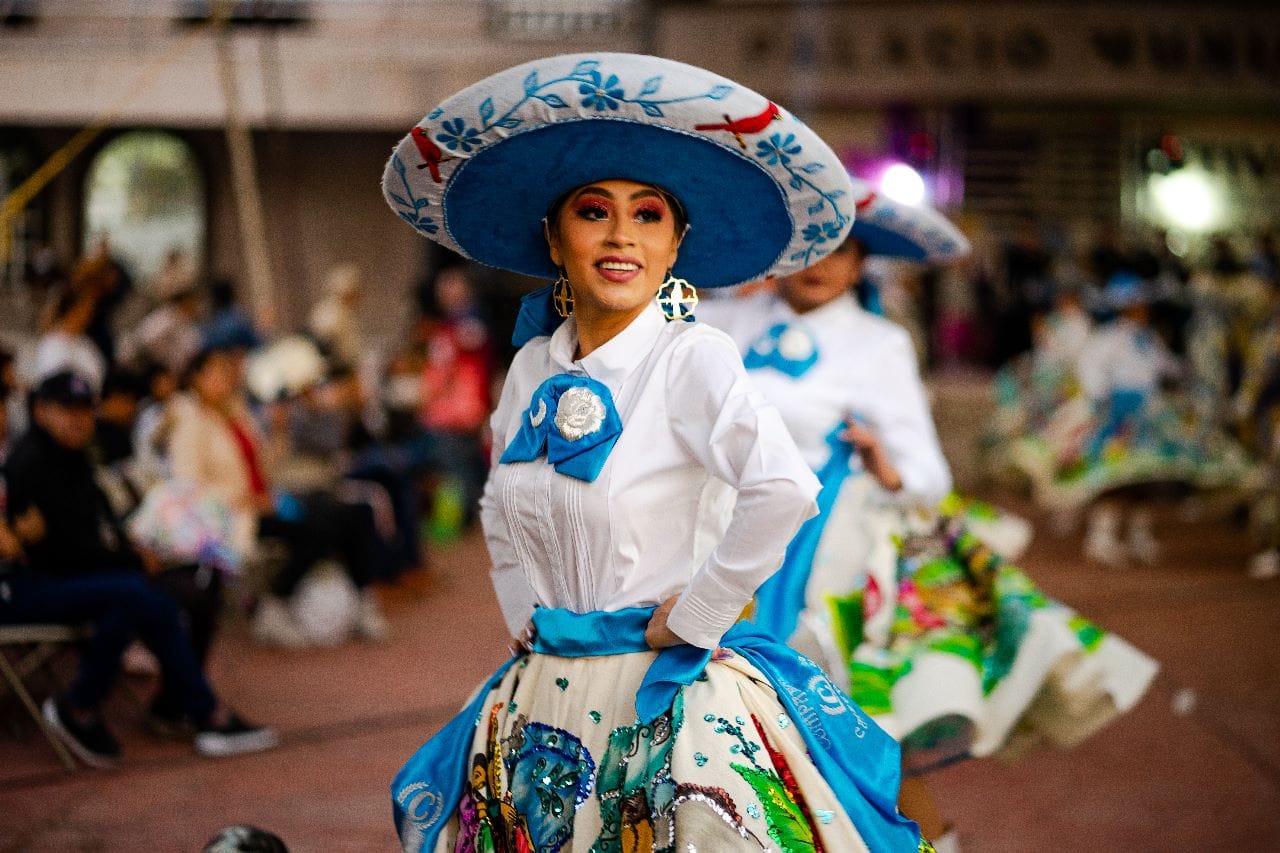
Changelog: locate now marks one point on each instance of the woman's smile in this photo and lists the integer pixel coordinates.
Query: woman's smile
(619, 269)
(614, 241)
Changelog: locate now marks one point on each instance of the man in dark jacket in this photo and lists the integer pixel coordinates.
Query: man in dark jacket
(79, 567)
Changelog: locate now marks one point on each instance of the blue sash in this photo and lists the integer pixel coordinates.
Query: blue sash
(780, 600)
(1122, 410)
(854, 755)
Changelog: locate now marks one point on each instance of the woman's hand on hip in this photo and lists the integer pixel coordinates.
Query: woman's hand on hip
(657, 634)
(523, 644)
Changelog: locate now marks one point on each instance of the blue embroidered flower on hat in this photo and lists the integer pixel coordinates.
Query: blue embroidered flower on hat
(762, 193)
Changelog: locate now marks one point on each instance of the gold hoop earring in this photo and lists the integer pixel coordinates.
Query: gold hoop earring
(562, 296)
(677, 298)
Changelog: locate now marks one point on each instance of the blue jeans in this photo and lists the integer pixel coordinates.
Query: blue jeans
(120, 605)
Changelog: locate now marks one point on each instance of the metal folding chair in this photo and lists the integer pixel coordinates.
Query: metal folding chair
(25, 650)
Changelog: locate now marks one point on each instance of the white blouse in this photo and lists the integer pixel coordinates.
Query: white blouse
(866, 367)
(661, 519)
(1124, 356)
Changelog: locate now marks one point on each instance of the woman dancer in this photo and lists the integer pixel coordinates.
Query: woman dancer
(949, 647)
(639, 716)
(1124, 439)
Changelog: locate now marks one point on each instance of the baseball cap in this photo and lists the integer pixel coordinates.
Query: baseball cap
(66, 388)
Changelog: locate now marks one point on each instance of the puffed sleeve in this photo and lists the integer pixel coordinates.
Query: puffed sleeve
(510, 584)
(902, 421)
(722, 420)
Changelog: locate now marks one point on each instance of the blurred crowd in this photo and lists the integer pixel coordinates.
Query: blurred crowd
(1125, 366)
(986, 310)
(160, 471)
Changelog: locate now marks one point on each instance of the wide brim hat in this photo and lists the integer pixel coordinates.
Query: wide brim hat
(285, 369)
(914, 232)
(762, 193)
(1125, 290)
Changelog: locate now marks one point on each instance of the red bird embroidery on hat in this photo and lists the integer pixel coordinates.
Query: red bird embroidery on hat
(750, 124)
(430, 152)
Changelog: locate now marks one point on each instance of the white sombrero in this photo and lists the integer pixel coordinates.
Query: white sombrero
(763, 194)
(916, 232)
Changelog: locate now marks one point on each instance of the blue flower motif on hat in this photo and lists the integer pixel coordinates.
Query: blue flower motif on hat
(601, 96)
(482, 169)
(777, 149)
(408, 206)
(458, 136)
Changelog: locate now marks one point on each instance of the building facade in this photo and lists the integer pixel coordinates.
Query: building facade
(1133, 113)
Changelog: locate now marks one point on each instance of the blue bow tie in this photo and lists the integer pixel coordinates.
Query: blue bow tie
(573, 421)
(790, 349)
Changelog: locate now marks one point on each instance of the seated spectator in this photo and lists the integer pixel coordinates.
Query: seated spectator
(117, 414)
(66, 345)
(216, 444)
(170, 334)
(150, 440)
(78, 567)
(326, 440)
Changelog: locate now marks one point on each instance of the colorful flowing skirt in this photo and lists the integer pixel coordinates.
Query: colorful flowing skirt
(950, 648)
(1028, 393)
(558, 759)
(1087, 450)
(959, 654)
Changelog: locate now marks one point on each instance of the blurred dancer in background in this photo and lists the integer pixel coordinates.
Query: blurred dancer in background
(926, 634)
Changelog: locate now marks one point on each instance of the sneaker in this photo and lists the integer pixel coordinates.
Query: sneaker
(948, 842)
(274, 625)
(371, 625)
(1101, 544)
(92, 743)
(1265, 566)
(234, 737)
(1143, 545)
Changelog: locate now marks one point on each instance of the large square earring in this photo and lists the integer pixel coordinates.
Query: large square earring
(677, 298)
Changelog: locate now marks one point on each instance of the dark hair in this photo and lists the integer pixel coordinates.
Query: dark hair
(677, 209)
(202, 357)
(66, 302)
(222, 293)
(122, 381)
(245, 839)
(854, 243)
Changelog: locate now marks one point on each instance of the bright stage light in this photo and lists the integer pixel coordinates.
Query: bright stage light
(903, 184)
(1187, 199)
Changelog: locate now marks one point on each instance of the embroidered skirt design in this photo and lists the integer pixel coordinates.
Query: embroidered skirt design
(560, 763)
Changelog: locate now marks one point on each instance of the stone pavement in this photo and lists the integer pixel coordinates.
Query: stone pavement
(1153, 781)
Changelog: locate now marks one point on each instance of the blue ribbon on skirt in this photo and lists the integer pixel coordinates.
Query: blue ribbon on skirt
(856, 757)
(1123, 410)
(780, 600)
